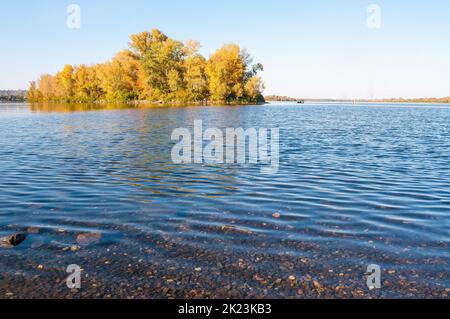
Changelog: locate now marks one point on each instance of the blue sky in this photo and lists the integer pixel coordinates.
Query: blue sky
(320, 48)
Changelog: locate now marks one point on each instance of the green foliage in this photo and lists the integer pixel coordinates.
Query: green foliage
(157, 69)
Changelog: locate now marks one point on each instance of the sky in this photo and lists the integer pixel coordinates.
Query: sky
(310, 49)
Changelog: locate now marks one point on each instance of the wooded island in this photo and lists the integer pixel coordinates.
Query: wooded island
(157, 69)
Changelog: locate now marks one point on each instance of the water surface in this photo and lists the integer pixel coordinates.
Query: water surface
(357, 185)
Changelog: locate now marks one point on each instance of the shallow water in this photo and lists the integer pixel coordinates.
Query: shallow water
(357, 185)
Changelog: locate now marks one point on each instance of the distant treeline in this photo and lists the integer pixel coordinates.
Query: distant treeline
(278, 98)
(157, 68)
(418, 100)
(12, 95)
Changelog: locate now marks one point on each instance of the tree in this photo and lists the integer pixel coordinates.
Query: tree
(33, 94)
(253, 89)
(119, 77)
(163, 64)
(195, 73)
(140, 43)
(225, 70)
(45, 84)
(87, 84)
(67, 81)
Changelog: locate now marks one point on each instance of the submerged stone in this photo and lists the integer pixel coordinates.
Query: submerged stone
(87, 239)
(13, 240)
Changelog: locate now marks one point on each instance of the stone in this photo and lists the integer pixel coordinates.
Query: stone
(87, 239)
(228, 229)
(13, 240)
(33, 230)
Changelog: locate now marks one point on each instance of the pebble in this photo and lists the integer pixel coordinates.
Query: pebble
(33, 230)
(318, 286)
(88, 238)
(228, 229)
(14, 240)
(339, 289)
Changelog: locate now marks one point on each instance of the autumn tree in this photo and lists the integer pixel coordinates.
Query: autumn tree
(196, 81)
(118, 77)
(140, 43)
(33, 94)
(67, 81)
(45, 84)
(88, 86)
(163, 64)
(225, 70)
(231, 74)
(253, 89)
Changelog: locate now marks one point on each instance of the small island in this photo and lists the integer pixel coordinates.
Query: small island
(157, 69)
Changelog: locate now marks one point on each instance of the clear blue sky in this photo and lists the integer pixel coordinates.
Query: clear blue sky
(320, 48)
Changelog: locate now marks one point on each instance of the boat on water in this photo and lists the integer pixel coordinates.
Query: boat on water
(301, 102)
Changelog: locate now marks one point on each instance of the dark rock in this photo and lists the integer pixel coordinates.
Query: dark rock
(15, 240)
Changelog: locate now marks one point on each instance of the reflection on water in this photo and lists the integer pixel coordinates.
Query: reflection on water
(67, 108)
(357, 185)
(85, 107)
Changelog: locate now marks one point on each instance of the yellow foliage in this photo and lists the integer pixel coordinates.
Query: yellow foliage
(157, 68)
(225, 71)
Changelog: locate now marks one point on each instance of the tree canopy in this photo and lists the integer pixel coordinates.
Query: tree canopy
(157, 68)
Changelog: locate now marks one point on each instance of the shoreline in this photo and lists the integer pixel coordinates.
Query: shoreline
(358, 102)
(158, 104)
(150, 103)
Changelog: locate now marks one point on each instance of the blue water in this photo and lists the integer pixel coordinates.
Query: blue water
(357, 185)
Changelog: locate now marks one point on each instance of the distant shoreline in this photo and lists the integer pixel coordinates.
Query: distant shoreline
(357, 102)
(17, 96)
(444, 100)
(13, 96)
